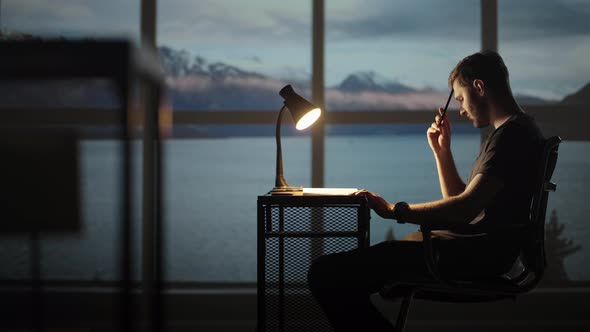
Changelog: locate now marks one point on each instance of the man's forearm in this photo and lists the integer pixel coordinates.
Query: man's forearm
(448, 177)
(453, 210)
(459, 209)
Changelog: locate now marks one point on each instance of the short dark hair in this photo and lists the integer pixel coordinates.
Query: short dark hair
(487, 66)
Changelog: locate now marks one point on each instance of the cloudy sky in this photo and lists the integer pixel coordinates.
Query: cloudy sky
(545, 43)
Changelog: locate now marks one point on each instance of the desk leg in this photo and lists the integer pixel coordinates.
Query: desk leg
(281, 269)
(261, 278)
(364, 217)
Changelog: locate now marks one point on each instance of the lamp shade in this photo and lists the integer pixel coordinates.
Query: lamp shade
(303, 112)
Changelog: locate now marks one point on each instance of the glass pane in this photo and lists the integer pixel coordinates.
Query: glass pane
(210, 202)
(546, 45)
(568, 208)
(385, 55)
(230, 54)
(94, 253)
(71, 19)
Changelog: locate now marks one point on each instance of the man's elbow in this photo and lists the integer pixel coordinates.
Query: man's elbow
(462, 218)
(470, 216)
(479, 194)
(467, 210)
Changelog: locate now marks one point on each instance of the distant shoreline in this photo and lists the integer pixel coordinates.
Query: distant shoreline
(249, 131)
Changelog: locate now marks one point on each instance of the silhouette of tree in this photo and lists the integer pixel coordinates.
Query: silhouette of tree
(557, 248)
(16, 35)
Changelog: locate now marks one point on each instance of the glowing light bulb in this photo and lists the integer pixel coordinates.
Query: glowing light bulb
(308, 119)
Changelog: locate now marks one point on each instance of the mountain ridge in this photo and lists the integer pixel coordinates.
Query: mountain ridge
(580, 97)
(358, 90)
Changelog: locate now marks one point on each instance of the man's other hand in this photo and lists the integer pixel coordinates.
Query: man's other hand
(439, 136)
(383, 208)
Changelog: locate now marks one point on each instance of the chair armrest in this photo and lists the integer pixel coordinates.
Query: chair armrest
(467, 227)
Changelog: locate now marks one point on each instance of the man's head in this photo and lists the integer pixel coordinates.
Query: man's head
(478, 80)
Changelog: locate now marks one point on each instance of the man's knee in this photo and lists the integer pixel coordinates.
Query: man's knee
(328, 272)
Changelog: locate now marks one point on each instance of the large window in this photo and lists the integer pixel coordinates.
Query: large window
(231, 55)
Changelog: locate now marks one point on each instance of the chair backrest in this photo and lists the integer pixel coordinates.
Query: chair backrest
(533, 254)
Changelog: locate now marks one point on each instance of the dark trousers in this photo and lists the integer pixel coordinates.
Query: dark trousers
(342, 283)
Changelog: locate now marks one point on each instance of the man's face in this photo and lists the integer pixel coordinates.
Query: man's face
(471, 104)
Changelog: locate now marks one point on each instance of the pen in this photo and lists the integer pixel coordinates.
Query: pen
(445, 110)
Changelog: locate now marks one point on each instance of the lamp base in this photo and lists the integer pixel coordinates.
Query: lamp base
(287, 190)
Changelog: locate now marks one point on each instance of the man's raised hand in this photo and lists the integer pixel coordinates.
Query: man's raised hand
(439, 135)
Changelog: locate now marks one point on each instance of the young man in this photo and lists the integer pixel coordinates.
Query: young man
(498, 192)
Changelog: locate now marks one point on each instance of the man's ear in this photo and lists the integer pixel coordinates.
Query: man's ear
(479, 87)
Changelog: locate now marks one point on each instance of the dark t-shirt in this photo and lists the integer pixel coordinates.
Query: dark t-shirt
(511, 153)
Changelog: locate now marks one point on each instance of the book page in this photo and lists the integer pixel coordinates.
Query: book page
(329, 191)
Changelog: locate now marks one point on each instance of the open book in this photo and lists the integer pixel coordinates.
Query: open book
(329, 191)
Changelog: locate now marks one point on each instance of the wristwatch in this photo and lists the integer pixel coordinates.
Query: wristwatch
(399, 209)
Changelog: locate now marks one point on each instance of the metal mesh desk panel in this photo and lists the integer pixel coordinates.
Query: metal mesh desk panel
(292, 232)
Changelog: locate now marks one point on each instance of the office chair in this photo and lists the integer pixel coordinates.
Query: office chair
(532, 261)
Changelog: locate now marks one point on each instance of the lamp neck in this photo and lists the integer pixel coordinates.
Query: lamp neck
(279, 179)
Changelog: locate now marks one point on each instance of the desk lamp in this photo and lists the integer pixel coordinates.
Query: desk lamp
(304, 114)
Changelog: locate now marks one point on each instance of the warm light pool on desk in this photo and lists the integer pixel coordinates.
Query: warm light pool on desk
(318, 192)
(329, 191)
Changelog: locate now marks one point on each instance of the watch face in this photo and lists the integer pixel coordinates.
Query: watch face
(400, 209)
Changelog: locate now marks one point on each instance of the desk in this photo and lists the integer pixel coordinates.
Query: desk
(292, 232)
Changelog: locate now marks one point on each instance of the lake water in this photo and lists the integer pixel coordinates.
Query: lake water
(210, 200)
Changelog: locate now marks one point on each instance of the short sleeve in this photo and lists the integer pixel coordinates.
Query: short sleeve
(504, 154)
(511, 155)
